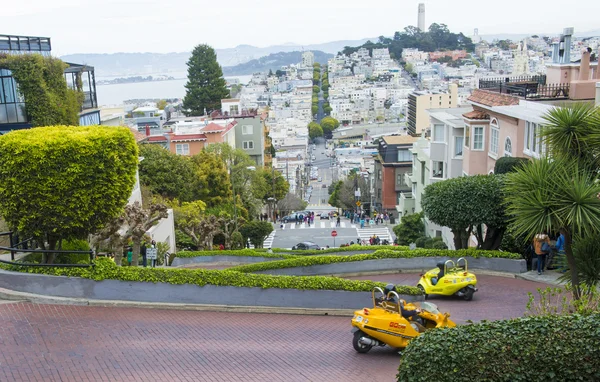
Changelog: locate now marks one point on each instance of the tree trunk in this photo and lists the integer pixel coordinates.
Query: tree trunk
(50, 257)
(572, 265)
(119, 255)
(136, 251)
(493, 238)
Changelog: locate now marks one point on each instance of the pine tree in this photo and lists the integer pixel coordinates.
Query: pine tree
(206, 85)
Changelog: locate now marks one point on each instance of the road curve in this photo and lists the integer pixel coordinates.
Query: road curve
(82, 343)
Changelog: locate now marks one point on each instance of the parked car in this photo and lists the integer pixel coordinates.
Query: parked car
(306, 245)
(324, 216)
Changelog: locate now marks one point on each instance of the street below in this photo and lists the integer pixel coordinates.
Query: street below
(82, 343)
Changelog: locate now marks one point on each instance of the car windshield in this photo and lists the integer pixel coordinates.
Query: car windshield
(429, 307)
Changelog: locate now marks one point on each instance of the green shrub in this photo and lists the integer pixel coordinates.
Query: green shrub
(420, 242)
(508, 164)
(106, 269)
(380, 254)
(438, 244)
(545, 348)
(354, 247)
(240, 252)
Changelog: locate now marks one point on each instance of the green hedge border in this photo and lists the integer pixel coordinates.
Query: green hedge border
(240, 252)
(380, 254)
(543, 348)
(106, 269)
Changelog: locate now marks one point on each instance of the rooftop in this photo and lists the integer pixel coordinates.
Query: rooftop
(450, 116)
(399, 139)
(489, 98)
(477, 114)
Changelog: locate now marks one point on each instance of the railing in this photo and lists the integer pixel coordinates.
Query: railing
(491, 83)
(534, 91)
(14, 248)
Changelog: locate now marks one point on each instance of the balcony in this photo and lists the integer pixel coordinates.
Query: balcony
(527, 87)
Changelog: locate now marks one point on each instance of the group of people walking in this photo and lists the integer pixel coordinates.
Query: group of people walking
(546, 255)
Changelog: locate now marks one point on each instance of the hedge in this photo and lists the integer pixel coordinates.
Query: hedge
(106, 269)
(340, 249)
(542, 348)
(379, 254)
(241, 252)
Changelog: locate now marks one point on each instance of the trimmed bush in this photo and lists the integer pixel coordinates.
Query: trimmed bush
(508, 164)
(242, 253)
(380, 254)
(106, 269)
(341, 249)
(545, 348)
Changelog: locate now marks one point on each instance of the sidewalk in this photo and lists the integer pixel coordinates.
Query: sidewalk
(549, 277)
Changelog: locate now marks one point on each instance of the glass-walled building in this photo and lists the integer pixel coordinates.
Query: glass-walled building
(13, 114)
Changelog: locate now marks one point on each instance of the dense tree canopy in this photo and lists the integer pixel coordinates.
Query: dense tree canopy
(329, 124)
(63, 182)
(411, 228)
(314, 130)
(464, 205)
(214, 186)
(206, 86)
(438, 37)
(166, 174)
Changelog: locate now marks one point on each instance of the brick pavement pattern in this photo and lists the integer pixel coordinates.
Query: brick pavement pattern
(82, 343)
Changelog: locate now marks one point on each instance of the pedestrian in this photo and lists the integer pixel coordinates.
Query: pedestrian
(362, 223)
(153, 245)
(129, 254)
(143, 252)
(541, 244)
(560, 250)
(338, 222)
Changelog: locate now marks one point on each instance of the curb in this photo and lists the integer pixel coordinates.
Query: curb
(15, 296)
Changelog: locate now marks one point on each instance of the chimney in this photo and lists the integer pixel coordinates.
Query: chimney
(584, 68)
(147, 130)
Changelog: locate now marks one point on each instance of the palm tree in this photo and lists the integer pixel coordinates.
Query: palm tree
(562, 192)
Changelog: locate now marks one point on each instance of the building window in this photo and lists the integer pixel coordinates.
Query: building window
(414, 190)
(247, 130)
(12, 103)
(494, 136)
(404, 155)
(248, 145)
(507, 147)
(379, 193)
(233, 110)
(478, 138)
(467, 136)
(423, 172)
(458, 146)
(533, 141)
(399, 179)
(438, 133)
(182, 148)
(438, 169)
(379, 174)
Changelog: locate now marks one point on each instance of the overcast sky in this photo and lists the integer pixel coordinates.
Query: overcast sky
(108, 26)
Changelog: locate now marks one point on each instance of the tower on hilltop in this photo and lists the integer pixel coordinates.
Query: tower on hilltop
(421, 21)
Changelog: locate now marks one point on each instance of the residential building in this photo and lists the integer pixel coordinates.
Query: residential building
(308, 59)
(13, 114)
(420, 101)
(392, 162)
(453, 54)
(250, 137)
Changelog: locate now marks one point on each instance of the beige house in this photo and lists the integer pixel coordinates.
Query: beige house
(421, 101)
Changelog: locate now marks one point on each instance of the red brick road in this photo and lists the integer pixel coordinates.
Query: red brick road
(80, 343)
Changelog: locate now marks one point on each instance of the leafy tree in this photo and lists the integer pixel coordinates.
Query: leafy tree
(290, 203)
(411, 228)
(187, 219)
(329, 124)
(314, 109)
(206, 86)
(59, 182)
(464, 205)
(166, 174)
(139, 220)
(213, 186)
(561, 193)
(276, 188)
(314, 130)
(316, 89)
(279, 73)
(334, 198)
(270, 72)
(161, 104)
(257, 232)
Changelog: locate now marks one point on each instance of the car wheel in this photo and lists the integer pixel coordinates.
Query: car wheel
(361, 348)
(422, 290)
(468, 294)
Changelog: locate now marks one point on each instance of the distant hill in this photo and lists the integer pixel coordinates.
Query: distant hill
(133, 64)
(273, 61)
